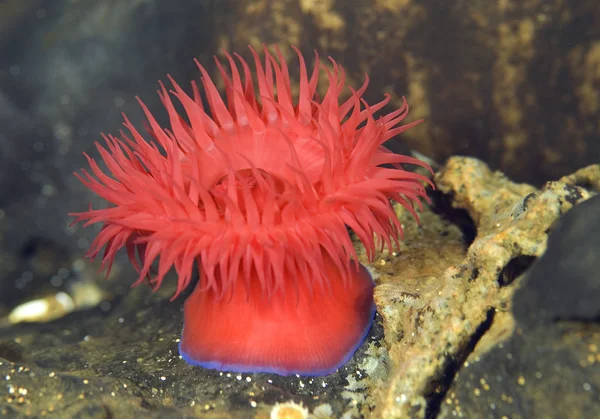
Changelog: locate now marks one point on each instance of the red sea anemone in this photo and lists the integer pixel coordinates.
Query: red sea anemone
(259, 190)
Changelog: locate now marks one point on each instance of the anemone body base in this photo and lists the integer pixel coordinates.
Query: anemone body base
(301, 328)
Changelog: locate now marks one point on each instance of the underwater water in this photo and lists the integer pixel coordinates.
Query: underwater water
(487, 309)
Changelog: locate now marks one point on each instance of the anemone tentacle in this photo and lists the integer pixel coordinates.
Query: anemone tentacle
(258, 183)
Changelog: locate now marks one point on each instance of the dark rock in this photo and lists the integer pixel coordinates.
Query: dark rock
(565, 284)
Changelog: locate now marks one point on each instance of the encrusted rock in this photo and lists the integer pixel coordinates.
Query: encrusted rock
(550, 366)
(467, 312)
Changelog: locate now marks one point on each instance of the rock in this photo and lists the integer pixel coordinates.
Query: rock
(467, 312)
(550, 365)
(492, 79)
(444, 300)
(121, 360)
(564, 285)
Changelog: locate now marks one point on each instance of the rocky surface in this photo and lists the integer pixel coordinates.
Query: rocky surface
(550, 365)
(121, 360)
(446, 341)
(469, 311)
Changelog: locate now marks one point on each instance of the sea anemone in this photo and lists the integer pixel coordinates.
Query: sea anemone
(259, 189)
